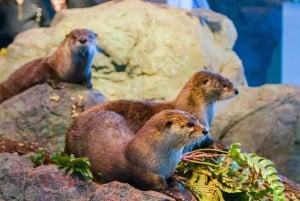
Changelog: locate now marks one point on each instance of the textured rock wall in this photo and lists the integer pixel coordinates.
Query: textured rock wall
(265, 120)
(19, 180)
(153, 48)
(42, 115)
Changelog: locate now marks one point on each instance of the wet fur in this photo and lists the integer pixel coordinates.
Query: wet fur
(145, 160)
(71, 62)
(197, 97)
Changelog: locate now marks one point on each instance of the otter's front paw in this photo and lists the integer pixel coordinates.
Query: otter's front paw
(56, 84)
(174, 193)
(174, 179)
(88, 85)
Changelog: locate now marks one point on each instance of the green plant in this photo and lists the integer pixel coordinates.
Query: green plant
(216, 174)
(39, 158)
(69, 163)
(73, 165)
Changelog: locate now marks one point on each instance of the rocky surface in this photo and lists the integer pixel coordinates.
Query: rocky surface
(265, 120)
(147, 43)
(42, 114)
(19, 180)
(150, 60)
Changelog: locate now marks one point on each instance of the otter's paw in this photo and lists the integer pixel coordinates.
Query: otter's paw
(88, 85)
(174, 193)
(56, 84)
(172, 181)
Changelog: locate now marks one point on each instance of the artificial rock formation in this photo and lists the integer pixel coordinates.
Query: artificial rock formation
(42, 114)
(265, 120)
(48, 183)
(152, 49)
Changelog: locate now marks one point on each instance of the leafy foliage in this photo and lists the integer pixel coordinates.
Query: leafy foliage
(69, 163)
(73, 165)
(216, 175)
(39, 158)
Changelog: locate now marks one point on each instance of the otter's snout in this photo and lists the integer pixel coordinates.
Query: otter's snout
(236, 91)
(82, 40)
(204, 132)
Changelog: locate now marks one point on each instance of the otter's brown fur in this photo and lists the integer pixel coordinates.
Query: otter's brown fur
(71, 62)
(197, 97)
(145, 160)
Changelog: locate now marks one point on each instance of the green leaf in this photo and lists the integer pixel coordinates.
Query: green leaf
(73, 165)
(247, 175)
(39, 158)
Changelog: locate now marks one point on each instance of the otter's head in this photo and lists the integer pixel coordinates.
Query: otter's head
(83, 42)
(178, 128)
(213, 86)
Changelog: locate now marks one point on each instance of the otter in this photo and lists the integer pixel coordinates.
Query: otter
(198, 97)
(71, 62)
(146, 159)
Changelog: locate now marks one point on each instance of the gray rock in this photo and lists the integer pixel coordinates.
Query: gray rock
(115, 191)
(19, 180)
(265, 120)
(43, 115)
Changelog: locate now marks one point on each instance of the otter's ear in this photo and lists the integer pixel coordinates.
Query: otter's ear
(96, 34)
(169, 124)
(66, 36)
(205, 82)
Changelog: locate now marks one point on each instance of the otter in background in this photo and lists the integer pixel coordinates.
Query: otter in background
(71, 62)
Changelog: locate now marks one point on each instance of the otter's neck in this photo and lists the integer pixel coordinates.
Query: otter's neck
(194, 101)
(82, 59)
(164, 157)
(61, 58)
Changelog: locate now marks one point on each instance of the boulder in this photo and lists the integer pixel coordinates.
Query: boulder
(19, 180)
(145, 43)
(265, 120)
(42, 114)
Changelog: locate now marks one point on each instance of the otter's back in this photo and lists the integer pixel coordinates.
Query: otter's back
(101, 136)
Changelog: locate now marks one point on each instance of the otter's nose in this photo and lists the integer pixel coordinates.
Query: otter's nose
(82, 40)
(204, 132)
(236, 91)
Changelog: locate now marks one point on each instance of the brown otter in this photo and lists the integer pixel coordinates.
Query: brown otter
(145, 160)
(71, 62)
(197, 97)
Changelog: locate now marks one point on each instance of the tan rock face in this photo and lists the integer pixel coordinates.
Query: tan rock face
(265, 120)
(153, 49)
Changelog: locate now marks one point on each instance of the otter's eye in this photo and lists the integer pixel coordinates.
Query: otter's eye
(169, 124)
(190, 124)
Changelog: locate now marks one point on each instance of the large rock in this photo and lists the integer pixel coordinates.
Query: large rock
(19, 180)
(265, 120)
(42, 114)
(153, 49)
